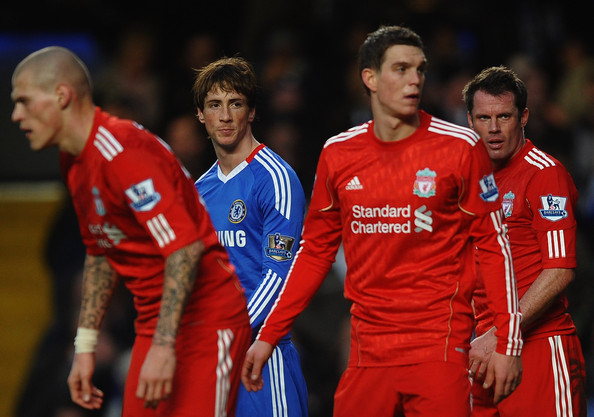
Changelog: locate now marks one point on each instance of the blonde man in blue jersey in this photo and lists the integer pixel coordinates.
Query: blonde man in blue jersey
(257, 206)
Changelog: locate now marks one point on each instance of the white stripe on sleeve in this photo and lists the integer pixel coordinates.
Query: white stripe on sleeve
(161, 231)
(556, 244)
(280, 179)
(514, 344)
(262, 296)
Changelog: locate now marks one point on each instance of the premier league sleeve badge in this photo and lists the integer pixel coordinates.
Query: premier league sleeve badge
(143, 196)
(279, 247)
(490, 192)
(553, 207)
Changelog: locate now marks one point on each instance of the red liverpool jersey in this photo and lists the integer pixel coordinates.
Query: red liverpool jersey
(407, 213)
(136, 206)
(539, 199)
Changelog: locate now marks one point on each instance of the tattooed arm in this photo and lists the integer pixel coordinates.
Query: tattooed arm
(156, 374)
(98, 286)
(99, 283)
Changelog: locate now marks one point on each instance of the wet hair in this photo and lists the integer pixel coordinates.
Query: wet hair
(496, 81)
(233, 74)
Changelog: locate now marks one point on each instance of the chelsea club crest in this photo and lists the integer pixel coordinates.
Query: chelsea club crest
(237, 211)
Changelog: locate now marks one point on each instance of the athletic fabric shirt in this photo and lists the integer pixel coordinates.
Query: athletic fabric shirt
(257, 211)
(407, 213)
(539, 199)
(136, 205)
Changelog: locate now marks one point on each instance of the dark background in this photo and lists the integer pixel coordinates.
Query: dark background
(304, 53)
(461, 37)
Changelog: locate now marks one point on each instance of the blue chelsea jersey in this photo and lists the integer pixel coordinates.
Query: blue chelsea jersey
(257, 211)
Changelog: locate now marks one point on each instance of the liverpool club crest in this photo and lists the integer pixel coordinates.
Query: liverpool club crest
(508, 204)
(425, 183)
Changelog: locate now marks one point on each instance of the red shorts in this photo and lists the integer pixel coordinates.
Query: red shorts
(553, 382)
(207, 373)
(421, 390)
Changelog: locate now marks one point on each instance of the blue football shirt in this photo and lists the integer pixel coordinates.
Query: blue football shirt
(257, 211)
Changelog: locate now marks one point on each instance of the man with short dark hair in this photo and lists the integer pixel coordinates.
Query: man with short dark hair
(409, 196)
(539, 201)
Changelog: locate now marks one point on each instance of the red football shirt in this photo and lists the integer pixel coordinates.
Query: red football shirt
(136, 206)
(539, 199)
(408, 214)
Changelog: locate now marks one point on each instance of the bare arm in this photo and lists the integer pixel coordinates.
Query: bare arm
(156, 374)
(99, 283)
(180, 274)
(539, 297)
(543, 292)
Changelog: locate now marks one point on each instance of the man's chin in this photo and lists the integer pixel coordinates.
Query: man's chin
(35, 146)
(498, 158)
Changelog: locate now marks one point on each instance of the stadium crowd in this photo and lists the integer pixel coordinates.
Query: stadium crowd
(305, 56)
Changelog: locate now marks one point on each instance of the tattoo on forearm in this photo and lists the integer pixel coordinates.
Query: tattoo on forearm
(99, 283)
(180, 274)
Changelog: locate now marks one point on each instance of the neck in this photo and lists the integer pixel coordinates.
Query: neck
(391, 129)
(229, 158)
(502, 163)
(77, 128)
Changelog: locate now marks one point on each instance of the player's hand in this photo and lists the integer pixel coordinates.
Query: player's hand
(82, 391)
(481, 349)
(156, 375)
(255, 359)
(506, 372)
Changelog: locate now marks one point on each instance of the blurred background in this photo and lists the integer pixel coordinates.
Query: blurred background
(141, 56)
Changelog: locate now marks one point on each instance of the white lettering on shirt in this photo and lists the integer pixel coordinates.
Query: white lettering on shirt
(385, 211)
(390, 219)
(232, 238)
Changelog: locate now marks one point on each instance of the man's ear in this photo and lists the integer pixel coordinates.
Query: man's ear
(524, 117)
(369, 79)
(63, 95)
(469, 120)
(200, 115)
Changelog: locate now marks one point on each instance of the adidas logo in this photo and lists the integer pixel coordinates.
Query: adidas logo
(354, 184)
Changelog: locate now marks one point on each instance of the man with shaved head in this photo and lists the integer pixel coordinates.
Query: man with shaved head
(142, 222)
(36, 79)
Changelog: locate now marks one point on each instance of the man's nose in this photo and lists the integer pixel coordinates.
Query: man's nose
(16, 115)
